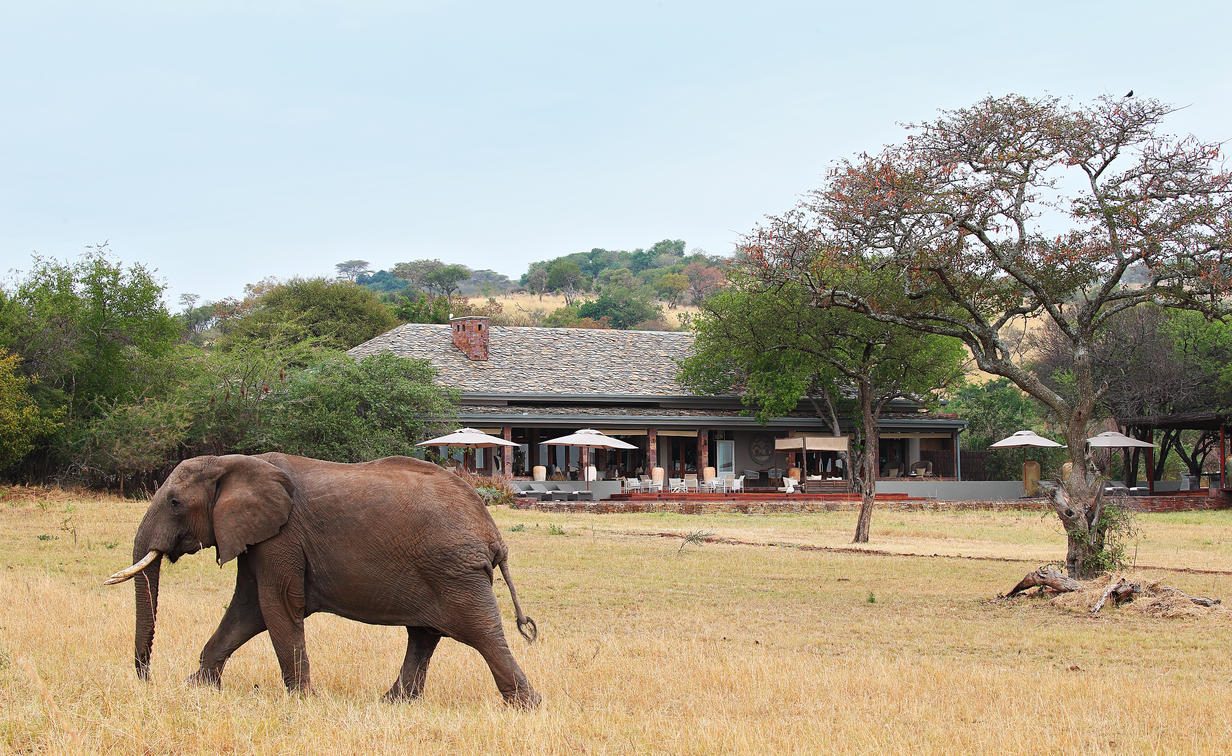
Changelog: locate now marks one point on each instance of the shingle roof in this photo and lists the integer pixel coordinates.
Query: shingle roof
(535, 361)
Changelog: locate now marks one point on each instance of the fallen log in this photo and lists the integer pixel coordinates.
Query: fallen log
(1048, 577)
(1119, 591)
(1199, 600)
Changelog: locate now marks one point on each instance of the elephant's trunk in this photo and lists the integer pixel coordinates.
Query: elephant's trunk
(145, 584)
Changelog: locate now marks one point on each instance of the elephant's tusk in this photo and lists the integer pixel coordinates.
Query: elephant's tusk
(128, 572)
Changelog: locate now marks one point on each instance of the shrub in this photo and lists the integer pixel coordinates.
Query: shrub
(492, 489)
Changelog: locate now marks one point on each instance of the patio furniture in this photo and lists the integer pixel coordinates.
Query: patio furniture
(630, 485)
(536, 490)
(649, 484)
(691, 484)
(736, 485)
(789, 485)
(676, 485)
(922, 469)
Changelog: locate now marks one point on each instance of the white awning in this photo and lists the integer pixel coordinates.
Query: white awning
(812, 443)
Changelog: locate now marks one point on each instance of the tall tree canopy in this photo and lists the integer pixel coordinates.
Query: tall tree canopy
(769, 343)
(336, 314)
(1019, 208)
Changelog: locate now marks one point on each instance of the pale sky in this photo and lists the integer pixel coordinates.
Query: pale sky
(220, 144)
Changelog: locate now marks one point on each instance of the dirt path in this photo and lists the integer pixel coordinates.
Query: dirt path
(878, 552)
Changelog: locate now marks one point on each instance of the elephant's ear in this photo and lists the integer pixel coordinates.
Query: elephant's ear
(252, 504)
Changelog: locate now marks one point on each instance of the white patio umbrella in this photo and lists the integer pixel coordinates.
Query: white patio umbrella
(587, 438)
(1025, 438)
(470, 438)
(1115, 440)
(1112, 439)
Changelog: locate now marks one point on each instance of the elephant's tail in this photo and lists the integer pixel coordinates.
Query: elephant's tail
(526, 625)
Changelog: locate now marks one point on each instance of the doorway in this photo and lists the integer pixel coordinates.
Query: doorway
(681, 456)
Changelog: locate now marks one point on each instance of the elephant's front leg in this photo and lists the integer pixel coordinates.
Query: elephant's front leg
(282, 605)
(239, 624)
(421, 642)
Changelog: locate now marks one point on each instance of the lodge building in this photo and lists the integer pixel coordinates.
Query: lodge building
(528, 385)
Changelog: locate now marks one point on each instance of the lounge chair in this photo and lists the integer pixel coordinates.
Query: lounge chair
(789, 485)
(736, 485)
(537, 491)
(648, 484)
(922, 469)
(630, 485)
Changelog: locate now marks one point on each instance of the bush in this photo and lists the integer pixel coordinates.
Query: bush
(492, 489)
(349, 410)
(22, 423)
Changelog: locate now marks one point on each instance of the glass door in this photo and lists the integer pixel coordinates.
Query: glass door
(726, 457)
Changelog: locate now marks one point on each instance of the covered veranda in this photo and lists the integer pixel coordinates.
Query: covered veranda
(684, 442)
(1213, 428)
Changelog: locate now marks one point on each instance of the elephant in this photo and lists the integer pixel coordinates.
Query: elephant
(395, 541)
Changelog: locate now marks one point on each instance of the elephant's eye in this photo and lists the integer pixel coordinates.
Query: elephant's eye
(175, 503)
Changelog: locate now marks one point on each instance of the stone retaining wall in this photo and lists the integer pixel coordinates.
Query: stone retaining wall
(807, 506)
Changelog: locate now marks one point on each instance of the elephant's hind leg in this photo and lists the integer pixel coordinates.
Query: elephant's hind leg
(421, 642)
(239, 624)
(481, 629)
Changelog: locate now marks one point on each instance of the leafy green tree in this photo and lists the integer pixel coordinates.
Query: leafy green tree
(350, 410)
(672, 286)
(1013, 208)
(418, 307)
(446, 279)
(994, 410)
(129, 446)
(623, 308)
(567, 278)
(537, 280)
(381, 282)
(433, 277)
(336, 314)
(93, 332)
(22, 423)
(772, 344)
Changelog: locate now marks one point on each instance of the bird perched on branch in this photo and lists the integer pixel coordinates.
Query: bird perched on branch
(1130, 93)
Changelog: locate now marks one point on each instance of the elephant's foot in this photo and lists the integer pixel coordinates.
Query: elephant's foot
(301, 687)
(523, 698)
(206, 677)
(400, 693)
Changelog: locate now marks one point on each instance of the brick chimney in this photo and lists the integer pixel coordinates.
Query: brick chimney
(470, 334)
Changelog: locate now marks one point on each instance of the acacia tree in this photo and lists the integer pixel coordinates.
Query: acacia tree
(1020, 208)
(769, 344)
(351, 270)
(566, 276)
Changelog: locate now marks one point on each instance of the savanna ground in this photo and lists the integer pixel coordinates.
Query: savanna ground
(647, 644)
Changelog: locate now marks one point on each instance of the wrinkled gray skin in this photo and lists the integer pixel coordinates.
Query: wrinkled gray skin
(396, 541)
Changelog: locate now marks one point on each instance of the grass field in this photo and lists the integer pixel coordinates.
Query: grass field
(648, 643)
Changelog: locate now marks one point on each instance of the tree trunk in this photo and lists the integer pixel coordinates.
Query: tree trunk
(868, 468)
(1076, 502)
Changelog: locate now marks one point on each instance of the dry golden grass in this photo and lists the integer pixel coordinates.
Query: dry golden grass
(644, 646)
(521, 306)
